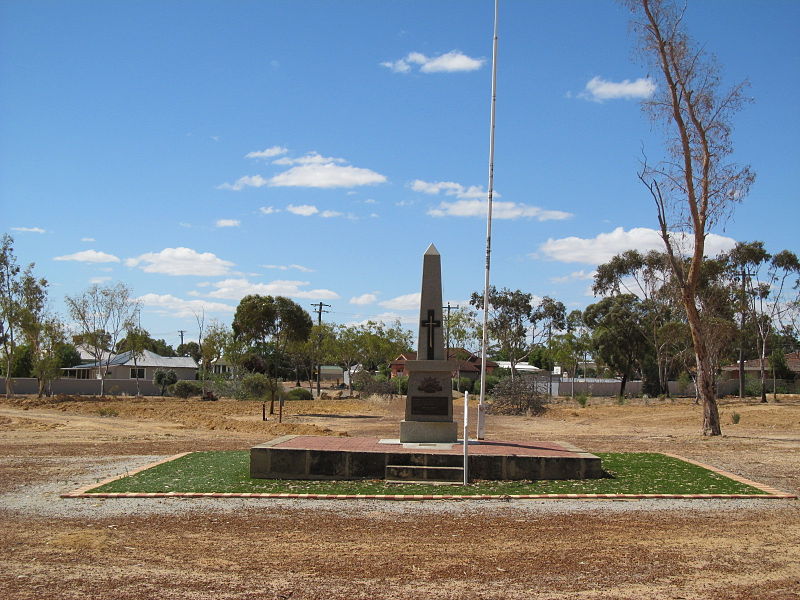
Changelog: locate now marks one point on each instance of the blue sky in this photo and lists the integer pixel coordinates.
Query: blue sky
(200, 151)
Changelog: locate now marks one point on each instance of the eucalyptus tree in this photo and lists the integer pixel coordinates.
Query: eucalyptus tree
(24, 318)
(767, 279)
(101, 314)
(695, 187)
(266, 325)
(647, 276)
(509, 321)
(619, 334)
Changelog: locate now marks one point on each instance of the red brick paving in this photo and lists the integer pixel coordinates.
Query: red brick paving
(369, 444)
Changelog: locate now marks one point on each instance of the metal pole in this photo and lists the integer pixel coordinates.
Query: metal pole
(485, 339)
(466, 438)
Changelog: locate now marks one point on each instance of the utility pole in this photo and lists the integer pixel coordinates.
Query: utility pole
(320, 310)
(447, 333)
(180, 333)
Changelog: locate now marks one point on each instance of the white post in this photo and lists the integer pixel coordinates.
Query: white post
(466, 438)
(481, 428)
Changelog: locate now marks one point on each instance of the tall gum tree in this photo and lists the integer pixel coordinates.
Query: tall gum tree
(694, 187)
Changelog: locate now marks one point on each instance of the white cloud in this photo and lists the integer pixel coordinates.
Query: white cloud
(181, 261)
(451, 62)
(449, 188)
(364, 299)
(575, 276)
(304, 210)
(89, 256)
(312, 170)
(255, 181)
(599, 89)
(236, 289)
(327, 175)
(268, 210)
(29, 229)
(311, 158)
(287, 267)
(327, 214)
(268, 153)
(228, 223)
(167, 304)
(405, 302)
(88, 239)
(100, 279)
(500, 210)
(604, 246)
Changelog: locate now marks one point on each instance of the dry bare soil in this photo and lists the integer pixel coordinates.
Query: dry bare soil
(249, 549)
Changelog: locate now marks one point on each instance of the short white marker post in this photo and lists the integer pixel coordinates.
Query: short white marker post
(466, 438)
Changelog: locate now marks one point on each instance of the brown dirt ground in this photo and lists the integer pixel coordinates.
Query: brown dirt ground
(490, 550)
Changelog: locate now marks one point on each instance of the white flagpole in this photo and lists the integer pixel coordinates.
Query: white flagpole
(466, 438)
(485, 340)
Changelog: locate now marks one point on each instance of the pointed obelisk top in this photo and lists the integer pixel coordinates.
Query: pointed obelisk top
(431, 251)
(430, 344)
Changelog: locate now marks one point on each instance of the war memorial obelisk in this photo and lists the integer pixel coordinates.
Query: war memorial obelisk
(429, 404)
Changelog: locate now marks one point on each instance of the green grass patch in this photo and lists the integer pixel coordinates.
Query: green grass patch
(626, 473)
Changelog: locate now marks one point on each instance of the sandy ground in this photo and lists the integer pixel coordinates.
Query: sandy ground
(248, 549)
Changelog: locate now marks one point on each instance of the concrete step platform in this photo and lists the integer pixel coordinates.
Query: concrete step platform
(423, 473)
(329, 457)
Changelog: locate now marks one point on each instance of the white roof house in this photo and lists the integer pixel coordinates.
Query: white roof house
(123, 366)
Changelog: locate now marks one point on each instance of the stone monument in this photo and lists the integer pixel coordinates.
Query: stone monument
(429, 404)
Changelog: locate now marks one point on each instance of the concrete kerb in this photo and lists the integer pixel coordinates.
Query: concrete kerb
(770, 493)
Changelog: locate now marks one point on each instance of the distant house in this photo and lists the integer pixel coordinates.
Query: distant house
(520, 367)
(331, 374)
(753, 367)
(468, 364)
(122, 367)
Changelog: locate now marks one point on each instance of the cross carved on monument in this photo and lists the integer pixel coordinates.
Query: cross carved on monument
(430, 323)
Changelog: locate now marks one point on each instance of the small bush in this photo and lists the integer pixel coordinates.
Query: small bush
(186, 388)
(735, 418)
(582, 400)
(256, 385)
(107, 412)
(463, 384)
(373, 385)
(621, 399)
(165, 378)
(520, 396)
(400, 384)
(299, 394)
(491, 382)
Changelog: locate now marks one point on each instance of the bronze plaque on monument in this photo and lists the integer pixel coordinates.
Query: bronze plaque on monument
(430, 405)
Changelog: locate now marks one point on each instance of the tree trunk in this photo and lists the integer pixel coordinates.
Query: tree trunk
(704, 382)
(763, 370)
(42, 383)
(622, 384)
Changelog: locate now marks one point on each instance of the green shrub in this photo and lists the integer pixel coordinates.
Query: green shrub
(107, 412)
(582, 400)
(299, 393)
(164, 378)
(491, 381)
(400, 384)
(735, 418)
(463, 384)
(256, 385)
(186, 389)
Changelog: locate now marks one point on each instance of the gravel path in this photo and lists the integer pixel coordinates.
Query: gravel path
(43, 499)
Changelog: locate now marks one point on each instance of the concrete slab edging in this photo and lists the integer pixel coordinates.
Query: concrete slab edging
(770, 493)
